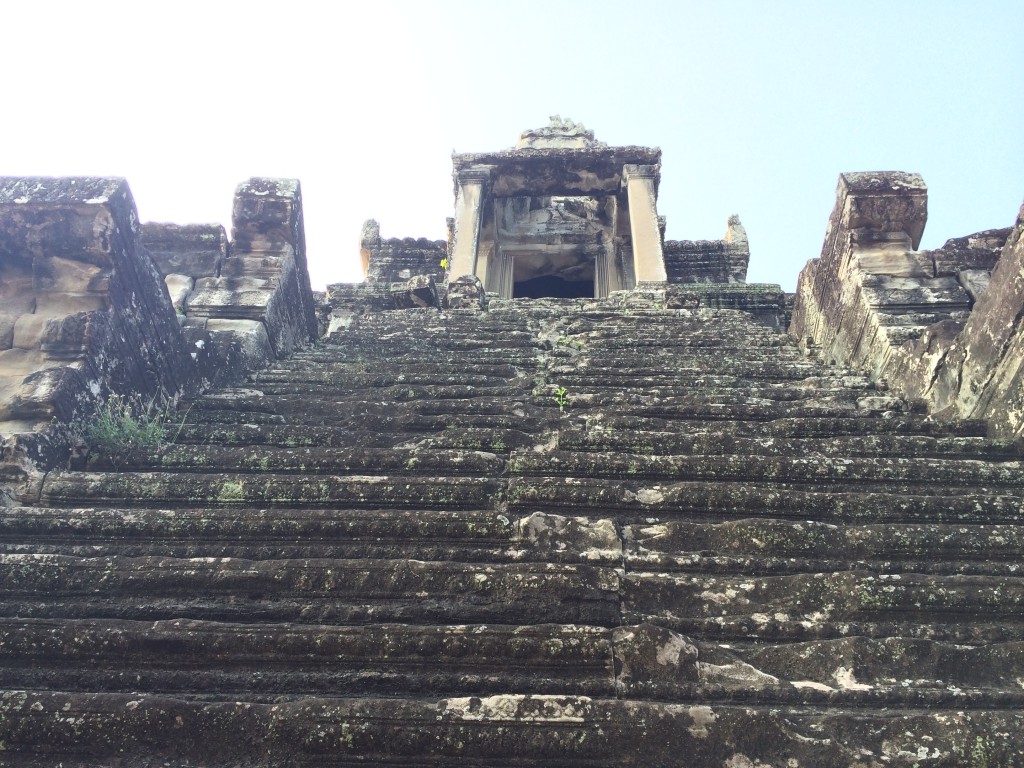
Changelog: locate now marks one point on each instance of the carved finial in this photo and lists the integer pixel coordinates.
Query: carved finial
(736, 233)
(559, 133)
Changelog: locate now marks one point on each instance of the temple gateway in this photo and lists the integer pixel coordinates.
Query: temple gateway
(554, 491)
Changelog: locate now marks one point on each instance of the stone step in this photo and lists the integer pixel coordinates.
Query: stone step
(767, 370)
(507, 432)
(846, 424)
(711, 501)
(673, 443)
(307, 460)
(192, 489)
(381, 378)
(272, 661)
(77, 730)
(328, 591)
(269, 660)
(677, 384)
(733, 409)
(302, 370)
(793, 468)
(972, 609)
(273, 534)
(417, 400)
(886, 663)
(767, 546)
(332, 393)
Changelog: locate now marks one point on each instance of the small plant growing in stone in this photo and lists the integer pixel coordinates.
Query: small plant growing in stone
(119, 428)
(562, 398)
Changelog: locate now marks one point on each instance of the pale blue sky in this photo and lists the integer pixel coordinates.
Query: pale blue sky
(757, 106)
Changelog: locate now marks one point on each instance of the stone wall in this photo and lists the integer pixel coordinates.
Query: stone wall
(400, 273)
(259, 306)
(709, 261)
(875, 302)
(92, 303)
(84, 310)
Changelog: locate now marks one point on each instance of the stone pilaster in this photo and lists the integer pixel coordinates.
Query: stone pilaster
(641, 182)
(469, 200)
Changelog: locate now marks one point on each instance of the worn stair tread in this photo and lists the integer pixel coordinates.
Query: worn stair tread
(743, 500)
(325, 591)
(287, 533)
(927, 471)
(665, 443)
(475, 731)
(201, 489)
(216, 658)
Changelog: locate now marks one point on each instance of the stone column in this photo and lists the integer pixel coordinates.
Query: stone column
(469, 202)
(641, 190)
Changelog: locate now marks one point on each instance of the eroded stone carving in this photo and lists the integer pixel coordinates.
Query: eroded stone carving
(559, 134)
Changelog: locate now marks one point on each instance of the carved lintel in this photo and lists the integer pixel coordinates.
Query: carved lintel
(631, 171)
(481, 176)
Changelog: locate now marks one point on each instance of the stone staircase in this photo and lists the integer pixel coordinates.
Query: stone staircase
(397, 549)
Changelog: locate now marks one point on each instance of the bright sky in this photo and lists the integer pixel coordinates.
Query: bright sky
(757, 106)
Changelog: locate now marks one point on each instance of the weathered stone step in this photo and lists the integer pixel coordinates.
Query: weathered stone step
(865, 424)
(451, 435)
(500, 441)
(406, 391)
(700, 409)
(865, 663)
(674, 336)
(274, 534)
(422, 400)
(829, 604)
(672, 443)
(465, 337)
(735, 403)
(77, 730)
(709, 387)
(405, 352)
(280, 381)
(368, 424)
(62, 488)
(303, 370)
(716, 500)
(308, 460)
(794, 468)
(779, 546)
(308, 591)
(219, 660)
(767, 370)
(213, 660)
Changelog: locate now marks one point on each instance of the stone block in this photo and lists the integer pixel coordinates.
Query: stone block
(893, 294)
(196, 250)
(895, 262)
(979, 251)
(239, 345)
(179, 287)
(884, 202)
(975, 282)
(467, 292)
(419, 291)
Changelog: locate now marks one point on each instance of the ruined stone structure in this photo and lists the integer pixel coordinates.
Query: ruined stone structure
(419, 521)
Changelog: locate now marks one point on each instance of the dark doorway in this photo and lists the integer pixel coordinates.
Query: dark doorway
(552, 286)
